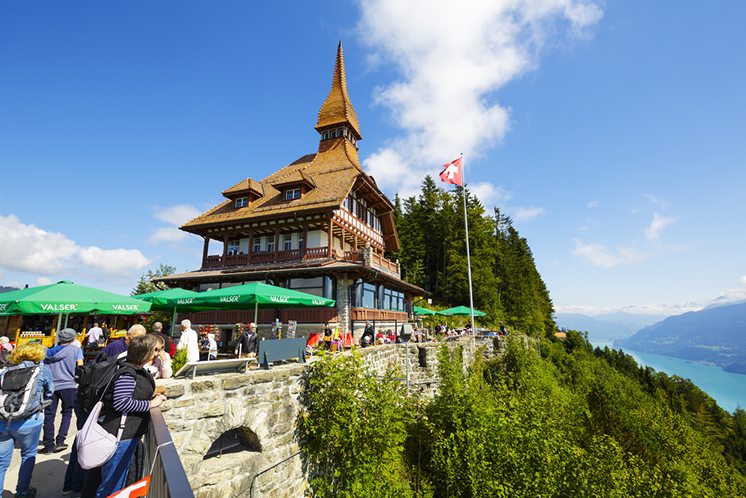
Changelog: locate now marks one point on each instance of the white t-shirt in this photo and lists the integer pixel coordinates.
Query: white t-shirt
(94, 334)
(189, 341)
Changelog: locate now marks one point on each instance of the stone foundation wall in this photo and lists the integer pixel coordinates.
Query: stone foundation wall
(265, 402)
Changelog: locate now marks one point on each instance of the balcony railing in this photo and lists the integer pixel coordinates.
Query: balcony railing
(384, 263)
(264, 257)
(353, 256)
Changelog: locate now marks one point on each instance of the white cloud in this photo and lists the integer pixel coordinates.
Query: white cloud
(115, 262)
(452, 57)
(598, 255)
(643, 309)
(175, 216)
(653, 231)
(593, 204)
(733, 294)
(44, 281)
(526, 213)
(30, 249)
(167, 234)
(489, 194)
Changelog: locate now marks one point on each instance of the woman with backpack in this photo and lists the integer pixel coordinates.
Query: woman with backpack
(20, 423)
(128, 401)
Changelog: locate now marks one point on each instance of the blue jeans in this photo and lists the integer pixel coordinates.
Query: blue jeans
(23, 434)
(114, 472)
(67, 397)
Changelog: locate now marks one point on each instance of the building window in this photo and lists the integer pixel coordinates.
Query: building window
(292, 193)
(257, 246)
(313, 285)
(369, 296)
(241, 202)
(271, 243)
(301, 241)
(287, 241)
(234, 247)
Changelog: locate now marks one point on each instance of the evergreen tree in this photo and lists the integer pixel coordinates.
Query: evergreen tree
(145, 283)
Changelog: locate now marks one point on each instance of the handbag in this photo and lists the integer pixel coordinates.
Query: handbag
(95, 445)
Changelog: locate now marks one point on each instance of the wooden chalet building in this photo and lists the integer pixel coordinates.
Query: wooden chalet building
(319, 225)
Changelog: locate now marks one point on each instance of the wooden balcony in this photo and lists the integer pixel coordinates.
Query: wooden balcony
(265, 257)
(363, 314)
(381, 262)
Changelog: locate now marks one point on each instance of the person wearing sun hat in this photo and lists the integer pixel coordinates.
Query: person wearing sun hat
(61, 361)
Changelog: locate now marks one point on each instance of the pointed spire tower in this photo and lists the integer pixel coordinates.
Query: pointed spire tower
(337, 118)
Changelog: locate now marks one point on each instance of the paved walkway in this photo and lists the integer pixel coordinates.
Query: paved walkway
(49, 471)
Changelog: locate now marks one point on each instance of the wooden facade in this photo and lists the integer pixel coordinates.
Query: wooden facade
(320, 216)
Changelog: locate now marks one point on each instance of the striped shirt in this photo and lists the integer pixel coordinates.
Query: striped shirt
(124, 387)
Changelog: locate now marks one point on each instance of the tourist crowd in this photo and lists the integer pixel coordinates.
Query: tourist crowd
(36, 381)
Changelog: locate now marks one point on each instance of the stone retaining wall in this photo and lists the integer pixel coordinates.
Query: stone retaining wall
(264, 403)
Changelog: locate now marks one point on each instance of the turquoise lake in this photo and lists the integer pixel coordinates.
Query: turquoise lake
(728, 389)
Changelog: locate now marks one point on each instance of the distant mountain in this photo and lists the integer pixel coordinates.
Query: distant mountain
(715, 335)
(606, 327)
(4, 288)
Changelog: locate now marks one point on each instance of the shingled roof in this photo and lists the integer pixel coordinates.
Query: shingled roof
(337, 108)
(330, 174)
(247, 185)
(334, 170)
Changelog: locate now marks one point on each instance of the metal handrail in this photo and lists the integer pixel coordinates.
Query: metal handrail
(167, 477)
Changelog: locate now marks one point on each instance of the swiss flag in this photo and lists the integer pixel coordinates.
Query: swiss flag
(453, 172)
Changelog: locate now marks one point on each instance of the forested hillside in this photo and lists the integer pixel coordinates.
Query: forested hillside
(548, 418)
(506, 282)
(716, 335)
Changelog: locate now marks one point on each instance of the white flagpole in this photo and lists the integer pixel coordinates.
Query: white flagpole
(468, 254)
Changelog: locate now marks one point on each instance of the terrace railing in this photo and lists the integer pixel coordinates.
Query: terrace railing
(167, 476)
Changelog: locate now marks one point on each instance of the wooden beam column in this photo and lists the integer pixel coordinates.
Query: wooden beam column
(330, 237)
(225, 247)
(305, 239)
(205, 251)
(251, 244)
(277, 242)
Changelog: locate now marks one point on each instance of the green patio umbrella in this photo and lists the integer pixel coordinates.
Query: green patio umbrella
(166, 300)
(461, 311)
(67, 298)
(423, 311)
(258, 295)
(171, 300)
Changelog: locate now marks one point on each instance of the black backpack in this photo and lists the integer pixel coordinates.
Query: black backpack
(19, 395)
(92, 378)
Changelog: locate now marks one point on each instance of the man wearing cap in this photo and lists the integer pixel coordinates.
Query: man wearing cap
(61, 361)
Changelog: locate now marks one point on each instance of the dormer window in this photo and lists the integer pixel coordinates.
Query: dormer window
(241, 202)
(292, 193)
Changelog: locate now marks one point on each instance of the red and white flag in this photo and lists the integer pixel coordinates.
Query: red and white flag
(136, 490)
(453, 172)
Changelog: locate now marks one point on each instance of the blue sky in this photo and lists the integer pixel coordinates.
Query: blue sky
(612, 132)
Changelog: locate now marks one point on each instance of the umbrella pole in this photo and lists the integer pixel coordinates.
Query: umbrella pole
(256, 313)
(67, 317)
(173, 323)
(57, 330)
